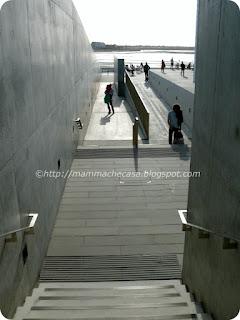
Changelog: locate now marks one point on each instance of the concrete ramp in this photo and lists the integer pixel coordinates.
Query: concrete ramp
(110, 129)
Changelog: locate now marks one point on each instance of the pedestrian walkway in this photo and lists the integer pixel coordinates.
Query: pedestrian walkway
(122, 215)
(158, 110)
(174, 75)
(107, 129)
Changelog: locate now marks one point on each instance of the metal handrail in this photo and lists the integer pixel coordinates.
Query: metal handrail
(228, 241)
(26, 229)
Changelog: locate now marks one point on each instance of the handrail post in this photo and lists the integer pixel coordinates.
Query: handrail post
(29, 229)
(228, 241)
(135, 132)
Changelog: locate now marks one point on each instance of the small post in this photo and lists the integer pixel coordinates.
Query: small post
(203, 234)
(11, 238)
(135, 132)
(185, 227)
(229, 244)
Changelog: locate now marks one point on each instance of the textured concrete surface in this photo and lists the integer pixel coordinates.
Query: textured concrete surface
(113, 216)
(119, 70)
(104, 128)
(143, 300)
(174, 76)
(158, 110)
(47, 76)
(172, 88)
(214, 198)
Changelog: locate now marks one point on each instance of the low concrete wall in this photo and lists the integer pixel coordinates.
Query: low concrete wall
(173, 93)
(119, 73)
(209, 271)
(47, 78)
(139, 105)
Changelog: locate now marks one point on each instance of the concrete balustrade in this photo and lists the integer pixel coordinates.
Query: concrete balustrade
(174, 89)
(139, 104)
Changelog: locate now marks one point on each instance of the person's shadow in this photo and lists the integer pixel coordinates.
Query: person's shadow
(104, 120)
(147, 85)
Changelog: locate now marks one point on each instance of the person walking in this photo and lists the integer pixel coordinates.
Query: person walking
(173, 123)
(172, 63)
(163, 65)
(132, 69)
(183, 67)
(108, 98)
(146, 69)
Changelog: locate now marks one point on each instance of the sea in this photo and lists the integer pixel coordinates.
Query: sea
(152, 57)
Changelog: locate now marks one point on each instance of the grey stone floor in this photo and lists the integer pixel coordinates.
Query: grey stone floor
(121, 216)
(117, 127)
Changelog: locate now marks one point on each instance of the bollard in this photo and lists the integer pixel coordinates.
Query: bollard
(135, 132)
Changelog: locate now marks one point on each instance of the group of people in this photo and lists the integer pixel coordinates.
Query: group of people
(130, 69)
(142, 68)
(146, 68)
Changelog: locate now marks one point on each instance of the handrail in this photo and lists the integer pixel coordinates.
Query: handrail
(26, 229)
(228, 241)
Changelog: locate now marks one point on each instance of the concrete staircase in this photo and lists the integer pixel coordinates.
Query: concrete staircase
(142, 300)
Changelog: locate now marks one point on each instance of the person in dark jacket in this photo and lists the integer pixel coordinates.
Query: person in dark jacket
(183, 67)
(108, 98)
(146, 71)
(163, 65)
(175, 119)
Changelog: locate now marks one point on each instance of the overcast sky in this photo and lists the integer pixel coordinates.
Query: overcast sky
(154, 22)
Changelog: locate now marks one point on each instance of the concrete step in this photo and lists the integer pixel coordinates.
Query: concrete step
(101, 153)
(118, 300)
(110, 312)
(102, 144)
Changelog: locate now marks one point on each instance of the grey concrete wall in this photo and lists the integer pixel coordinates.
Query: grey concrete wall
(211, 272)
(119, 70)
(173, 93)
(48, 77)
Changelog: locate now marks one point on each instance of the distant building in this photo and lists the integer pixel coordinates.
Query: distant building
(98, 45)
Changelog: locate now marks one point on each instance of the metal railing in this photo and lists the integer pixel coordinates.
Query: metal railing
(228, 241)
(11, 236)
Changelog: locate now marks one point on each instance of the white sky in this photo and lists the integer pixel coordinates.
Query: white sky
(154, 22)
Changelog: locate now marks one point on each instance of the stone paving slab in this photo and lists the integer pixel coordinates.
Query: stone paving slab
(106, 217)
(104, 127)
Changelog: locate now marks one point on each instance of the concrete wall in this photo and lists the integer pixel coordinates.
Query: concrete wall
(47, 79)
(119, 81)
(211, 272)
(172, 94)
